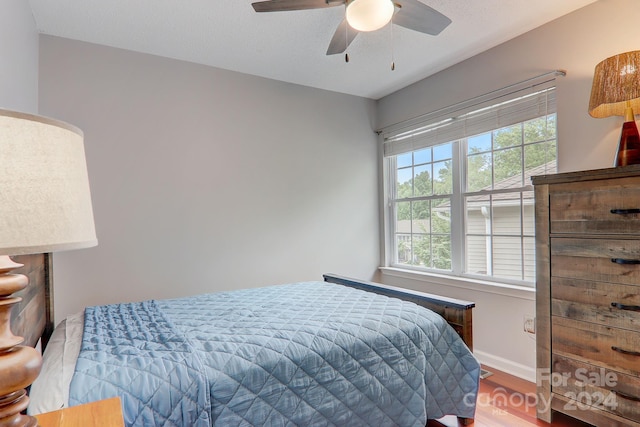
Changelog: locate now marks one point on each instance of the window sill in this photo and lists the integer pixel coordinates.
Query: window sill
(485, 286)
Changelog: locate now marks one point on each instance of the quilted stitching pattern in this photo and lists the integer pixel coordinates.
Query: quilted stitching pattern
(133, 351)
(304, 354)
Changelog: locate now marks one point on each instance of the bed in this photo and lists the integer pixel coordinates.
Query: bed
(332, 352)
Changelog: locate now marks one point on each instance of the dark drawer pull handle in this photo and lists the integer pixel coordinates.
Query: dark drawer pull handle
(625, 307)
(625, 261)
(623, 351)
(625, 211)
(626, 396)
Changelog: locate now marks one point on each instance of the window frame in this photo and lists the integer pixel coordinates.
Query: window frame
(458, 209)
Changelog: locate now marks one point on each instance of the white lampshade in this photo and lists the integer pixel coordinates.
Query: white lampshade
(369, 15)
(45, 202)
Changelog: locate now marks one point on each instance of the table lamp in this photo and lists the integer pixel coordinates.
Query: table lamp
(45, 206)
(616, 92)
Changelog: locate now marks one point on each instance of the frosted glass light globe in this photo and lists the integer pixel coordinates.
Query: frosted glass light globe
(369, 15)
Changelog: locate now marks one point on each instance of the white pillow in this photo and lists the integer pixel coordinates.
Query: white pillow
(46, 391)
(50, 391)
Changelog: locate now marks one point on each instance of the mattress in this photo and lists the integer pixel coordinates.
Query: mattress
(309, 353)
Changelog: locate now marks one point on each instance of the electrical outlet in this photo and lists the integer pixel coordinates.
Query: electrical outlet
(529, 324)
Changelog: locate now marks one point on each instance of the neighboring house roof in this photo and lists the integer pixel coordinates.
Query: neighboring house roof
(404, 226)
(514, 182)
(501, 199)
(505, 199)
(543, 169)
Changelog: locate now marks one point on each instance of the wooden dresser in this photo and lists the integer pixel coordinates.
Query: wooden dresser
(588, 295)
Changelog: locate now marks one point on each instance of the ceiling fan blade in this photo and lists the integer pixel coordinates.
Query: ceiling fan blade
(286, 5)
(342, 38)
(417, 16)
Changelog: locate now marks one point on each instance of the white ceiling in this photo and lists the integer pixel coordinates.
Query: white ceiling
(291, 46)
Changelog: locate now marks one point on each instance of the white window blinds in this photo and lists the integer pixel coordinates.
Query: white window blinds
(504, 107)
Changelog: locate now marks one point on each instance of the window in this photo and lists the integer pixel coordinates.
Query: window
(422, 207)
(459, 194)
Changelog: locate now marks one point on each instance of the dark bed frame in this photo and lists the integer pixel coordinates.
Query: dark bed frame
(32, 318)
(457, 313)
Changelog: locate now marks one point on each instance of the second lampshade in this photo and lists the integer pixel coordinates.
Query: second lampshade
(616, 92)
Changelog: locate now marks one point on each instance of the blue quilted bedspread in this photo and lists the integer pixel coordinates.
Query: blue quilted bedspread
(304, 354)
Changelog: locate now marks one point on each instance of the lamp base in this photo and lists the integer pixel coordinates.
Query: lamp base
(19, 365)
(629, 147)
(12, 405)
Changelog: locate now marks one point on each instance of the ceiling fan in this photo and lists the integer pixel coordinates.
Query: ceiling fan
(366, 15)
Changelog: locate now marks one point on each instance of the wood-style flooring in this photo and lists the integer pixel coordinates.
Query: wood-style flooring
(507, 401)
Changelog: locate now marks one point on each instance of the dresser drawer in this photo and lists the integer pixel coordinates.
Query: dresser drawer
(596, 302)
(601, 207)
(583, 385)
(611, 348)
(602, 260)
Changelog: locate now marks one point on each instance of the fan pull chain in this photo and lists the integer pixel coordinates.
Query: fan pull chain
(346, 36)
(393, 60)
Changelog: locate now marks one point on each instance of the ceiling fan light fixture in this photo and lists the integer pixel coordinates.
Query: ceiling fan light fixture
(369, 15)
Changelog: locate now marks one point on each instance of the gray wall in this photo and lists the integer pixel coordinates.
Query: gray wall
(205, 180)
(18, 57)
(575, 43)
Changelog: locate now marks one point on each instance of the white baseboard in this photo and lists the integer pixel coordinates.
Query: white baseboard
(510, 367)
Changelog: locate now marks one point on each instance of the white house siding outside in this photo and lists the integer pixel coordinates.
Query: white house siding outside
(500, 229)
(505, 244)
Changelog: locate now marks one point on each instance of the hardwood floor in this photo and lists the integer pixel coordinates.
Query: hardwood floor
(507, 401)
